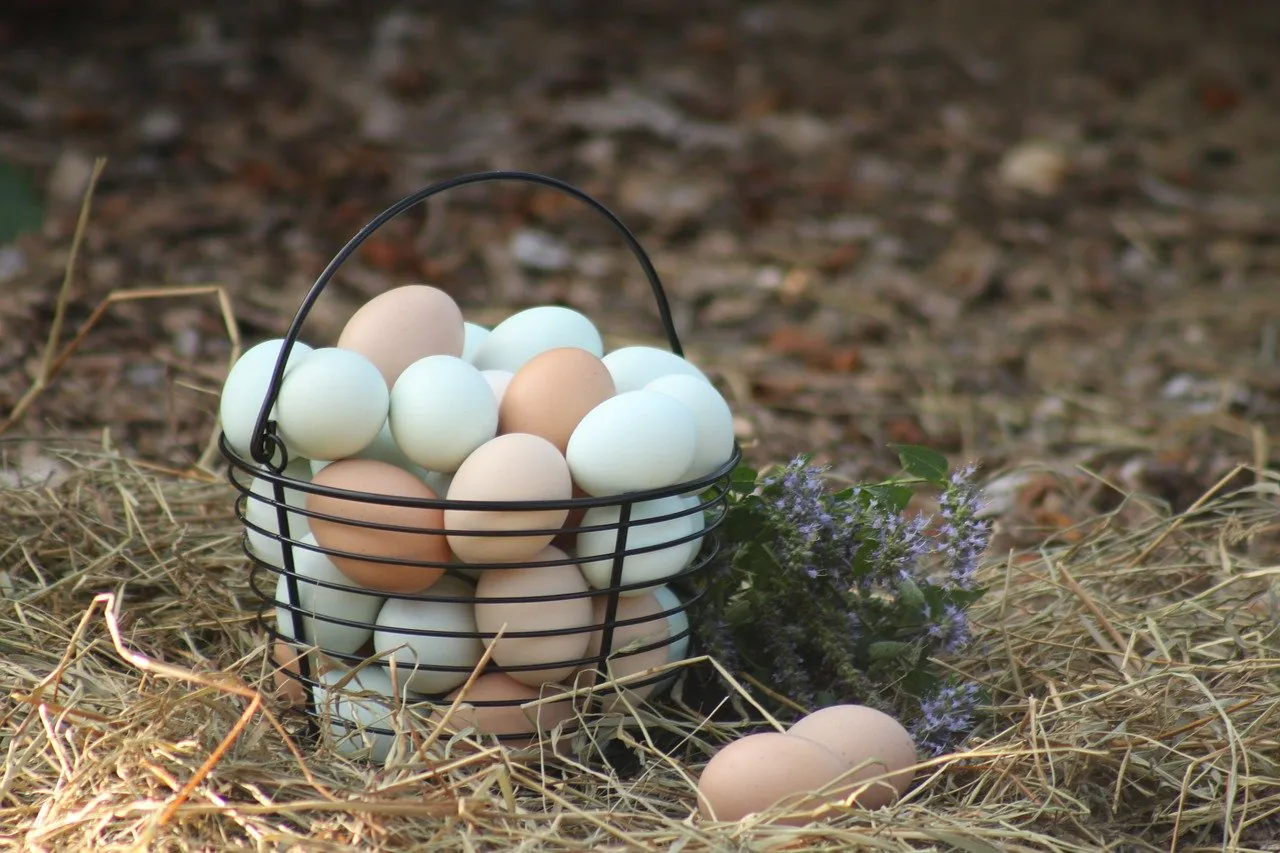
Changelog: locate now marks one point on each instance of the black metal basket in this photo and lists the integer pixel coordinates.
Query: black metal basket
(270, 460)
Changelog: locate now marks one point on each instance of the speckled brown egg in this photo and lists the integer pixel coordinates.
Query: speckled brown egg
(339, 532)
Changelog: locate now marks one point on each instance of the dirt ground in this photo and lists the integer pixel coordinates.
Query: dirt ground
(1007, 230)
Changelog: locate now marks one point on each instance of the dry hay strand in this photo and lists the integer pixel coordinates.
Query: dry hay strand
(1133, 677)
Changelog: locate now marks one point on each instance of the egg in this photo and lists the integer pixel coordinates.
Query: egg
(442, 409)
(416, 655)
(534, 330)
(632, 368)
(594, 548)
(339, 531)
(634, 441)
(332, 404)
(760, 771)
(868, 739)
(557, 655)
(711, 415)
(472, 337)
(403, 325)
(324, 603)
(625, 659)
(515, 467)
(498, 381)
(504, 719)
(245, 390)
(365, 702)
(552, 393)
(260, 511)
(285, 657)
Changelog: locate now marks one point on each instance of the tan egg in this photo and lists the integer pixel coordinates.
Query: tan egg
(867, 738)
(760, 771)
(645, 633)
(563, 615)
(378, 478)
(569, 532)
(285, 657)
(552, 392)
(516, 467)
(396, 328)
(505, 719)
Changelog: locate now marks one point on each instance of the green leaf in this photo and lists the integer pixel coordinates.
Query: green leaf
(922, 462)
(20, 207)
(888, 650)
(911, 594)
(892, 495)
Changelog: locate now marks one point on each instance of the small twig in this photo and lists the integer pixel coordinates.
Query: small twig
(47, 369)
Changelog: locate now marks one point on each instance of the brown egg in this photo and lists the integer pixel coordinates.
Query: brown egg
(516, 467)
(378, 478)
(505, 719)
(400, 326)
(552, 392)
(285, 657)
(640, 634)
(867, 738)
(760, 771)
(535, 616)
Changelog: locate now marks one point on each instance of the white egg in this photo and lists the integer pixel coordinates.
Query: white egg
(260, 510)
(442, 409)
(322, 603)
(710, 411)
(436, 482)
(245, 390)
(632, 368)
(415, 655)
(535, 330)
(473, 337)
(637, 440)
(498, 381)
(679, 622)
(651, 565)
(697, 520)
(332, 405)
(351, 715)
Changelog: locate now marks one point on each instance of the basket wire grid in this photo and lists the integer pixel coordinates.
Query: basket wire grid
(270, 459)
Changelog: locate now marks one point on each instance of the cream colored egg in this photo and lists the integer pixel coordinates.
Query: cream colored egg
(629, 656)
(510, 716)
(556, 655)
(768, 771)
(514, 467)
(869, 739)
(400, 326)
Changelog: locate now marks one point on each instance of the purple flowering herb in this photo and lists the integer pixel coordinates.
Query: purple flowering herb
(964, 536)
(946, 717)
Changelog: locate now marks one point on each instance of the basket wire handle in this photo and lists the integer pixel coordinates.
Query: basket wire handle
(266, 443)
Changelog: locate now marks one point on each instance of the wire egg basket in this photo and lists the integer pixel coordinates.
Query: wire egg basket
(273, 505)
